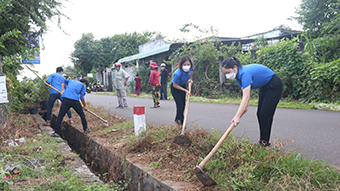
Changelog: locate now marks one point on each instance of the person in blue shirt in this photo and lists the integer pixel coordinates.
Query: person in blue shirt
(255, 76)
(75, 90)
(56, 80)
(181, 77)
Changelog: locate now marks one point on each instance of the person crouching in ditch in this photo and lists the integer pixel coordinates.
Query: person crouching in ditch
(70, 98)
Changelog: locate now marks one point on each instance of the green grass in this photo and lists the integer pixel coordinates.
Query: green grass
(49, 173)
(252, 102)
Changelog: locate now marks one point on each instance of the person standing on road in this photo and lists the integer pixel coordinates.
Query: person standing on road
(56, 80)
(181, 77)
(75, 90)
(120, 79)
(155, 84)
(253, 76)
(138, 83)
(164, 81)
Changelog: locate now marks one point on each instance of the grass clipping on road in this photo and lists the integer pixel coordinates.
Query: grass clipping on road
(236, 165)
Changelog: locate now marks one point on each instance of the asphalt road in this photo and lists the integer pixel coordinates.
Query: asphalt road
(315, 133)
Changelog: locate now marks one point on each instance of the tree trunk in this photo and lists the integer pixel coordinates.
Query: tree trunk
(222, 78)
(3, 109)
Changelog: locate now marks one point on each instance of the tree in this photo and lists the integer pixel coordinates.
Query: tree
(314, 15)
(18, 19)
(84, 55)
(99, 54)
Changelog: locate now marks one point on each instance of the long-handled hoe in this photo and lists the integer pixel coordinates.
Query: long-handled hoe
(201, 175)
(183, 139)
(105, 121)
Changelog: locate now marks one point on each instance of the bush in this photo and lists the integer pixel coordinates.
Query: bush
(323, 83)
(287, 61)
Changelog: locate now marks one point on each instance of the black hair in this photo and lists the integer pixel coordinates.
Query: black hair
(84, 80)
(60, 69)
(137, 74)
(231, 62)
(184, 58)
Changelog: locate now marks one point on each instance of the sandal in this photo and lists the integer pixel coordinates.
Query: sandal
(153, 107)
(55, 135)
(47, 124)
(71, 122)
(86, 132)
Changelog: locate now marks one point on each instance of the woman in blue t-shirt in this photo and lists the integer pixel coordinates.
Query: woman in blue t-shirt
(181, 77)
(255, 76)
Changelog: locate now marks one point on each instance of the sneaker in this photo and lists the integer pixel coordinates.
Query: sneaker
(262, 144)
(119, 106)
(125, 106)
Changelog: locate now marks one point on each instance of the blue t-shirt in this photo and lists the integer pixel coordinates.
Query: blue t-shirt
(74, 90)
(180, 77)
(55, 81)
(255, 75)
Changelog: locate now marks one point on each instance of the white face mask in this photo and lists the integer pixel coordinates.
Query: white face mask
(186, 68)
(117, 68)
(162, 68)
(231, 76)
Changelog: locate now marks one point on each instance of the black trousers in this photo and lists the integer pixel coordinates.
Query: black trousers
(269, 97)
(179, 97)
(65, 106)
(51, 100)
(164, 93)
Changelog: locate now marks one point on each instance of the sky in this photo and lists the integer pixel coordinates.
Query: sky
(105, 18)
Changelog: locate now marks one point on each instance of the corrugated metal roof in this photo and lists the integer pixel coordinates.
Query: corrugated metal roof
(128, 59)
(145, 54)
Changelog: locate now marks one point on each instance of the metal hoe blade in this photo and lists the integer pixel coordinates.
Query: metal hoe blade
(204, 177)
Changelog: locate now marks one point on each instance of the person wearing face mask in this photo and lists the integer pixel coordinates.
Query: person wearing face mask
(181, 77)
(253, 76)
(155, 84)
(120, 78)
(164, 81)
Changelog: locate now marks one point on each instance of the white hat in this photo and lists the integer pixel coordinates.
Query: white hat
(163, 65)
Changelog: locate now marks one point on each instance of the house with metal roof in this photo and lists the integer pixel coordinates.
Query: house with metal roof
(159, 50)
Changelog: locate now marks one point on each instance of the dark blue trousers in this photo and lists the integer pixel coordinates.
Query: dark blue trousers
(51, 101)
(65, 106)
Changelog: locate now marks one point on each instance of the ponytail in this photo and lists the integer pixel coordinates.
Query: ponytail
(231, 62)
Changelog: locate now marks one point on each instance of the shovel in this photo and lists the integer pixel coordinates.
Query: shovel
(201, 175)
(106, 123)
(183, 139)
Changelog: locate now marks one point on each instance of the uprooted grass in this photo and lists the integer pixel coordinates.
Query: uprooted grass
(237, 165)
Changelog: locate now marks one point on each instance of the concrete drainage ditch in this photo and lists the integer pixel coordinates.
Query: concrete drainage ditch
(102, 161)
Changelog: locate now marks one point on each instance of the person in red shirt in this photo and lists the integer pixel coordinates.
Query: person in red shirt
(155, 84)
(138, 83)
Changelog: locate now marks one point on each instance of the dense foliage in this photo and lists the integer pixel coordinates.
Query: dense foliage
(21, 20)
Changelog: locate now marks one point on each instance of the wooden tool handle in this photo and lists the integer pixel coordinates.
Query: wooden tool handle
(186, 111)
(217, 146)
(43, 80)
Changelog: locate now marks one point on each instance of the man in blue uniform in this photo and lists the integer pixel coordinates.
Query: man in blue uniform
(57, 81)
(70, 98)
